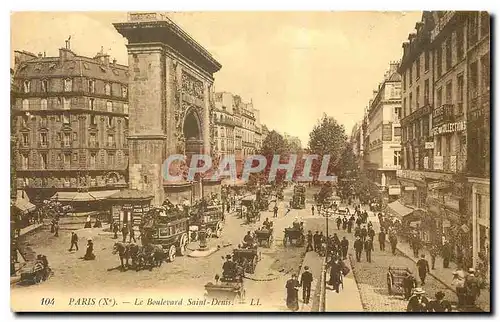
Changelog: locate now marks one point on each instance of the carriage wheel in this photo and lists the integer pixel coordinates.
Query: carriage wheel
(209, 232)
(284, 241)
(37, 278)
(389, 285)
(218, 231)
(253, 264)
(171, 253)
(181, 250)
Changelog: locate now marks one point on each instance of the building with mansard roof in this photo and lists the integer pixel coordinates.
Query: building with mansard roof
(71, 121)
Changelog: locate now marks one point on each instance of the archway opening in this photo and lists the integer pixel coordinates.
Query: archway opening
(191, 127)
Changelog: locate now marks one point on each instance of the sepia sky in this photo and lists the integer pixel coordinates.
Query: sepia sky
(293, 65)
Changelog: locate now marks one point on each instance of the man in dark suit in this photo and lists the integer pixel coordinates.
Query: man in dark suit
(305, 282)
(358, 247)
(368, 249)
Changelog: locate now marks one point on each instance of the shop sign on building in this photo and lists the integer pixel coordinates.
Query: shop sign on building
(438, 185)
(449, 128)
(394, 190)
(409, 174)
(438, 163)
(411, 188)
(429, 145)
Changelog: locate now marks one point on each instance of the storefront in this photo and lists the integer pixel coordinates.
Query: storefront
(480, 207)
(413, 188)
(22, 210)
(128, 206)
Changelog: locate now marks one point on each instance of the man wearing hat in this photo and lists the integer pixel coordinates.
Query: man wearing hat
(358, 248)
(418, 302)
(459, 282)
(228, 268)
(439, 304)
(409, 283)
(305, 282)
(423, 268)
(472, 288)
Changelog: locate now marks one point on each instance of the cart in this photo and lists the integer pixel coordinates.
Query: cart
(34, 273)
(264, 235)
(225, 290)
(246, 258)
(294, 235)
(395, 278)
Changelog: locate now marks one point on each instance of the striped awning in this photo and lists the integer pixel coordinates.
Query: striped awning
(24, 205)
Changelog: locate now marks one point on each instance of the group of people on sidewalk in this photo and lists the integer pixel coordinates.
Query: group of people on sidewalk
(292, 289)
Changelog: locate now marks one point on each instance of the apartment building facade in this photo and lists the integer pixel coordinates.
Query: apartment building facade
(71, 115)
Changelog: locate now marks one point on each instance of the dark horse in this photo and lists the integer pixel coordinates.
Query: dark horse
(123, 251)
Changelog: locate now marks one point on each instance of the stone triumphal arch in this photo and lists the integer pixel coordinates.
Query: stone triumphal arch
(170, 84)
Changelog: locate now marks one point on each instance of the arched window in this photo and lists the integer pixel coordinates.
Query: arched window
(27, 86)
(109, 106)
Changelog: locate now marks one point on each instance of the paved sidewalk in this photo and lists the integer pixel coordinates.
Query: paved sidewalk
(29, 229)
(315, 263)
(444, 275)
(348, 299)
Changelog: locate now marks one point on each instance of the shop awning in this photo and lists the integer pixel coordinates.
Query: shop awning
(101, 195)
(398, 209)
(24, 205)
(73, 196)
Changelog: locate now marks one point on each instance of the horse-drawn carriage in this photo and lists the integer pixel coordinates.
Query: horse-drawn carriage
(167, 228)
(252, 213)
(210, 215)
(298, 198)
(395, 279)
(246, 258)
(294, 235)
(225, 290)
(34, 273)
(264, 236)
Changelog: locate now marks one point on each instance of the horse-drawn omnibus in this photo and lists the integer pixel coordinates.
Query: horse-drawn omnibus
(168, 228)
(212, 216)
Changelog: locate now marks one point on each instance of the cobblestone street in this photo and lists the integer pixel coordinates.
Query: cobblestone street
(185, 275)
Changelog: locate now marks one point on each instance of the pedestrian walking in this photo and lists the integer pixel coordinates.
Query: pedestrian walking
(56, 229)
(446, 254)
(116, 228)
(472, 288)
(371, 233)
(292, 291)
(423, 268)
(358, 248)
(350, 224)
(309, 241)
(74, 241)
(132, 234)
(305, 282)
(459, 282)
(124, 233)
(338, 221)
(394, 242)
(439, 304)
(364, 234)
(368, 245)
(89, 254)
(344, 245)
(312, 210)
(381, 239)
(415, 244)
(335, 274)
(409, 283)
(316, 241)
(434, 252)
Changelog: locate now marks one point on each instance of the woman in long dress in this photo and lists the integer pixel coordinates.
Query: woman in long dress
(292, 293)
